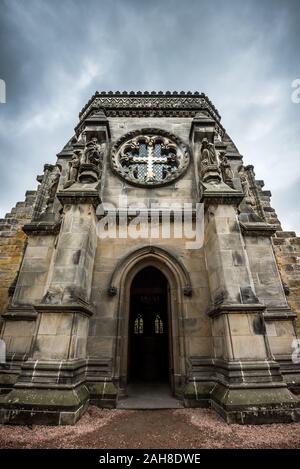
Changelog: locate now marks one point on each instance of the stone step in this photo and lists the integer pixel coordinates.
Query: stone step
(149, 397)
(5, 226)
(267, 193)
(260, 183)
(30, 194)
(286, 234)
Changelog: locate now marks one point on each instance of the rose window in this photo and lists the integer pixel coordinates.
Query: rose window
(150, 158)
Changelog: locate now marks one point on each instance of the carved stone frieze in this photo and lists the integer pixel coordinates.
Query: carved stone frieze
(151, 105)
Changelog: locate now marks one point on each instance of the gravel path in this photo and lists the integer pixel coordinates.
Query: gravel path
(179, 428)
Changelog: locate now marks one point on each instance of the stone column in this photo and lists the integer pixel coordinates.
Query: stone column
(279, 318)
(245, 383)
(243, 358)
(258, 228)
(51, 387)
(54, 294)
(71, 275)
(20, 317)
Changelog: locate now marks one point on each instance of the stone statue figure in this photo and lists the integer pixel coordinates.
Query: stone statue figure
(227, 173)
(51, 188)
(249, 198)
(209, 170)
(245, 182)
(74, 166)
(91, 162)
(53, 183)
(93, 152)
(208, 153)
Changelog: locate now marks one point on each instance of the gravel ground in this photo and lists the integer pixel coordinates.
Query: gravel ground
(180, 428)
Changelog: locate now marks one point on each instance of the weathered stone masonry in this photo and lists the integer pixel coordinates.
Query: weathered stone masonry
(12, 245)
(65, 294)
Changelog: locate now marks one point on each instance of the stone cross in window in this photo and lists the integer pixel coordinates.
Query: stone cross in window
(150, 158)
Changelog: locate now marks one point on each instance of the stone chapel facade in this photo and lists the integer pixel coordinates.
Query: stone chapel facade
(84, 315)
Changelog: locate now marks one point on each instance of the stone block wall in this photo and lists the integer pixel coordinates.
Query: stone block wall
(12, 245)
(182, 190)
(287, 251)
(267, 210)
(286, 247)
(265, 271)
(103, 325)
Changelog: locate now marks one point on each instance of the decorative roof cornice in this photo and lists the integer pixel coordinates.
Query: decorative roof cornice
(148, 103)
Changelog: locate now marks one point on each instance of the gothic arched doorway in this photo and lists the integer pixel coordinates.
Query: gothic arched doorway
(148, 355)
(176, 280)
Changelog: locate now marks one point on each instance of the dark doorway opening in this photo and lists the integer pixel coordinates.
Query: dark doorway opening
(149, 357)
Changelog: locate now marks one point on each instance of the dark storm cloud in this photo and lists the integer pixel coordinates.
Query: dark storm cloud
(243, 54)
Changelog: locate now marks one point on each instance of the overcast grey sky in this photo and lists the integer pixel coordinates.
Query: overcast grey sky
(244, 54)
